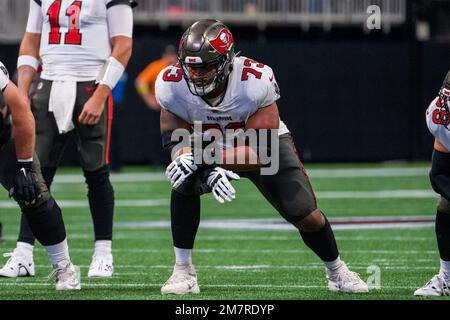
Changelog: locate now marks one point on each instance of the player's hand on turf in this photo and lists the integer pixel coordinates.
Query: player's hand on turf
(92, 110)
(219, 181)
(26, 187)
(180, 169)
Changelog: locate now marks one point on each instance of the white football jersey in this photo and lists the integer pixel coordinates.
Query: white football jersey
(75, 41)
(251, 85)
(438, 122)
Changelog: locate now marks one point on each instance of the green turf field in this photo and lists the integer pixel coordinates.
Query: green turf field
(241, 263)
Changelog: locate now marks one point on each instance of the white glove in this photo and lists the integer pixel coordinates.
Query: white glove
(180, 169)
(4, 77)
(219, 181)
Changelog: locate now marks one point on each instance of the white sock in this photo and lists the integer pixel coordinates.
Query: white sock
(25, 247)
(445, 269)
(333, 265)
(183, 256)
(58, 252)
(103, 246)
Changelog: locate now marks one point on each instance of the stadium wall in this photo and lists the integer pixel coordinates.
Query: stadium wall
(343, 100)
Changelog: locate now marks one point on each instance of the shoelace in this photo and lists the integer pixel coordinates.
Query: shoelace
(442, 285)
(11, 258)
(445, 288)
(101, 263)
(56, 272)
(348, 275)
(8, 254)
(178, 277)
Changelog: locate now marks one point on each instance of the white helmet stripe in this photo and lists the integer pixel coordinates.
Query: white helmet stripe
(193, 60)
(446, 92)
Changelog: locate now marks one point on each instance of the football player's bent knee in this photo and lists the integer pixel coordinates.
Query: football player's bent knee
(297, 210)
(314, 221)
(443, 205)
(46, 222)
(193, 186)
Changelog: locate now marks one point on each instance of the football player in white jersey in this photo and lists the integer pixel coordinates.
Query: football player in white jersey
(20, 174)
(438, 120)
(84, 47)
(213, 86)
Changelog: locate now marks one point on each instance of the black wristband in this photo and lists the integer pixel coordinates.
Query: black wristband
(25, 164)
(205, 171)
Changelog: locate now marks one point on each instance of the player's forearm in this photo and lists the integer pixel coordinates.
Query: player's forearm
(102, 92)
(151, 101)
(23, 122)
(24, 137)
(29, 47)
(168, 124)
(181, 151)
(241, 158)
(121, 53)
(25, 78)
(122, 49)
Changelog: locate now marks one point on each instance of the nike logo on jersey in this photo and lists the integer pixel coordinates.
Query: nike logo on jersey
(219, 118)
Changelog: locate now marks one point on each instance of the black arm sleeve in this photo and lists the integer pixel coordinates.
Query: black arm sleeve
(167, 142)
(131, 3)
(440, 173)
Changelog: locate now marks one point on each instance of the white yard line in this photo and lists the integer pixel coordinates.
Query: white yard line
(306, 266)
(379, 194)
(279, 225)
(6, 204)
(143, 203)
(169, 250)
(313, 173)
(368, 172)
(148, 237)
(158, 285)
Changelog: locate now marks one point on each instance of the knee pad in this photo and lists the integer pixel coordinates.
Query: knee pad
(295, 211)
(193, 186)
(46, 222)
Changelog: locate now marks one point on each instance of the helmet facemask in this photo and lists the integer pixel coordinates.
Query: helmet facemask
(204, 44)
(223, 67)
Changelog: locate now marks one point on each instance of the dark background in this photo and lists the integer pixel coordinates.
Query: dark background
(347, 95)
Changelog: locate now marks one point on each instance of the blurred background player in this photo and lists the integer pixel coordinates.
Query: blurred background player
(20, 174)
(145, 81)
(82, 62)
(438, 120)
(221, 91)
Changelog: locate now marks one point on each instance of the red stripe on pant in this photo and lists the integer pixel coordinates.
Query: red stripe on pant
(303, 169)
(108, 134)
